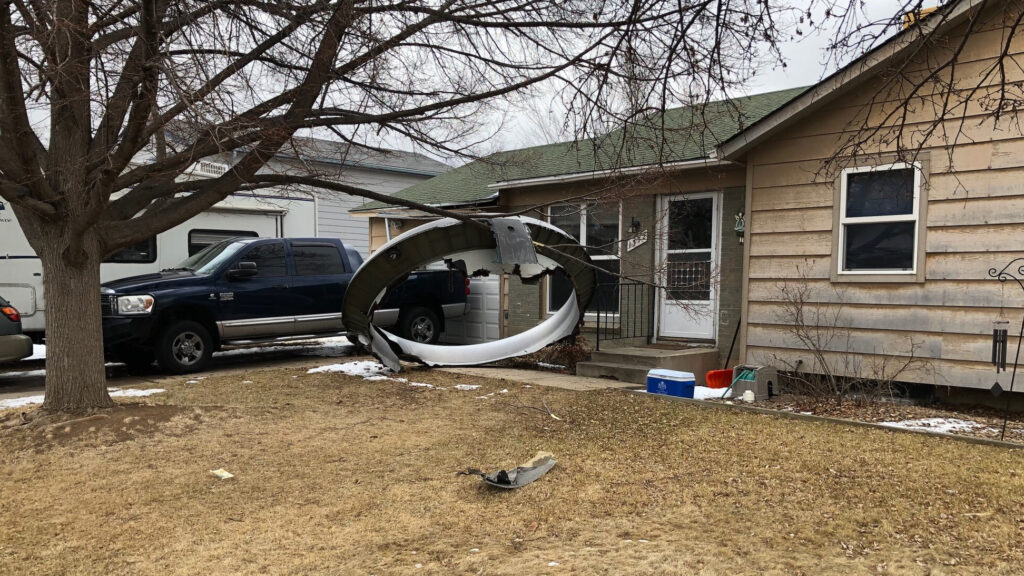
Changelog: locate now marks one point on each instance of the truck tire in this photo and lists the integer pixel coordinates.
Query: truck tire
(420, 324)
(184, 346)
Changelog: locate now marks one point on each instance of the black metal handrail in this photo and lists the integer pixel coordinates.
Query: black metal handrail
(622, 311)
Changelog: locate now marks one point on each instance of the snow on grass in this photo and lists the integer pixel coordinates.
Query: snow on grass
(38, 352)
(114, 393)
(550, 366)
(946, 425)
(467, 386)
(368, 369)
(26, 374)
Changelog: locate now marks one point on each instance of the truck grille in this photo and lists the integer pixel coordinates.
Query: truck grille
(107, 305)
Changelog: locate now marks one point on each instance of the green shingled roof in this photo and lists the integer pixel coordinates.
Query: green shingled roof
(690, 133)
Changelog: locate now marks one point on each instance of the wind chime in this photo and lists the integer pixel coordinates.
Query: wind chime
(1014, 270)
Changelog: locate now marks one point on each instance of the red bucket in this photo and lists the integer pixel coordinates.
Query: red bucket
(718, 378)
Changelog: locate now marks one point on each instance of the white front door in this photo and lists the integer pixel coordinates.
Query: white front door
(688, 265)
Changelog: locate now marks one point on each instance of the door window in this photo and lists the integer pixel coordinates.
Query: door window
(269, 258)
(690, 242)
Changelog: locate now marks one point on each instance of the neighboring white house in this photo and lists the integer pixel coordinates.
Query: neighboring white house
(384, 171)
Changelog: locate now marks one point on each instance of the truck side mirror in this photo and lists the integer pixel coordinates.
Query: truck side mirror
(242, 270)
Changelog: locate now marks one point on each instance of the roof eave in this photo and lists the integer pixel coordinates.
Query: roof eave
(598, 174)
(840, 81)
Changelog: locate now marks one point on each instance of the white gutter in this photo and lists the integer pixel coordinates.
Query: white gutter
(843, 79)
(581, 176)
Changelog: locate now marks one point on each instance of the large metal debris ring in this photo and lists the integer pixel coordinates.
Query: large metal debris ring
(521, 246)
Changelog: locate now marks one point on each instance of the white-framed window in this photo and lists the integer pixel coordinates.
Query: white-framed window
(598, 227)
(878, 219)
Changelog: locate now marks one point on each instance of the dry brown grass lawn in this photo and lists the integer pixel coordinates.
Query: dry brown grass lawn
(336, 475)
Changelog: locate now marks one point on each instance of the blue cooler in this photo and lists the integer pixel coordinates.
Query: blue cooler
(670, 383)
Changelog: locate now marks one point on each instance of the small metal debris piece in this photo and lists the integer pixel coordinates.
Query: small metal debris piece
(518, 477)
(222, 473)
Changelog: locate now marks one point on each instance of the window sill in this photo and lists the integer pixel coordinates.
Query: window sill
(870, 278)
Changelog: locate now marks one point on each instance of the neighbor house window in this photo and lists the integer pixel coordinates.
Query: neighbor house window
(878, 220)
(597, 227)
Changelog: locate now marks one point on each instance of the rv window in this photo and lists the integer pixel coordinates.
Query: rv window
(199, 239)
(313, 259)
(142, 253)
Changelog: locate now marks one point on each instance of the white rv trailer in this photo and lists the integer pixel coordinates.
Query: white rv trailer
(264, 214)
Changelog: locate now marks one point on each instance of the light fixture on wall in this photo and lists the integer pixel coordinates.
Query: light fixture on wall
(634, 225)
(741, 224)
(396, 224)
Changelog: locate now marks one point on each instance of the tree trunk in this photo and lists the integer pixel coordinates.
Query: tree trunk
(76, 380)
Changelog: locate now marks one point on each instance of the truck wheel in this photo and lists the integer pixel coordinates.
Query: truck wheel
(184, 346)
(420, 324)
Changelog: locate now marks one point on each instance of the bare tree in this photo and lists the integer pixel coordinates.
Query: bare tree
(90, 89)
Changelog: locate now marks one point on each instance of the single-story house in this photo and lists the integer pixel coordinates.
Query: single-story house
(382, 171)
(868, 208)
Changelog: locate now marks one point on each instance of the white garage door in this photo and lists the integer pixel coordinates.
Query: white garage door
(483, 321)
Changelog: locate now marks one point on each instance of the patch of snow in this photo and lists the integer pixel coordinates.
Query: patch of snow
(553, 366)
(246, 381)
(505, 391)
(421, 385)
(474, 549)
(552, 564)
(705, 393)
(26, 374)
(192, 382)
(114, 393)
(362, 368)
(947, 425)
(38, 352)
(467, 386)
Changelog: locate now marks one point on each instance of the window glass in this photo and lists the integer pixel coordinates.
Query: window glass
(880, 193)
(199, 239)
(606, 298)
(602, 222)
(688, 275)
(568, 219)
(269, 258)
(879, 246)
(313, 259)
(144, 252)
(690, 224)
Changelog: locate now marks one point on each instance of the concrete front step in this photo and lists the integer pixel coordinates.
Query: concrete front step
(613, 371)
(630, 364)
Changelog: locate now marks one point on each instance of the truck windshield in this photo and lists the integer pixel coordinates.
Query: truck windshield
(210, 258)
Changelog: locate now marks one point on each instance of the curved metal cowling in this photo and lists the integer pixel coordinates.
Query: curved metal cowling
(448, 237)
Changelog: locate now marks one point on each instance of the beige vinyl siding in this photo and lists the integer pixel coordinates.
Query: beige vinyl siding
(974, 221)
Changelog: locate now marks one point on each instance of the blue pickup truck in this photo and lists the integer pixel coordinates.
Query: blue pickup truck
(244, 291)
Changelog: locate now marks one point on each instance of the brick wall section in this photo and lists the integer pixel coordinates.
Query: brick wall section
(730, 273)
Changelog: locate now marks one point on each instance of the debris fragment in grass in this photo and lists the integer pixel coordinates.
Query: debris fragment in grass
(518, 477)
(222, 473)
